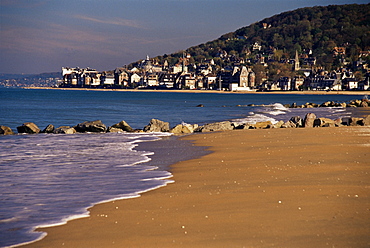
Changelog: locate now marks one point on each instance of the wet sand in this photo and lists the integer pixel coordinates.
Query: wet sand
(259, 188)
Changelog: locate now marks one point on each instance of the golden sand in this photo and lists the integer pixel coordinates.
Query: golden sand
(260, 188)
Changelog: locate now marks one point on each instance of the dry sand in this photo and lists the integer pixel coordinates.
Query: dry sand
(260, 188)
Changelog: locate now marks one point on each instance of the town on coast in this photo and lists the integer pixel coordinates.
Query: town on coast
(308, 49)
(236, 77)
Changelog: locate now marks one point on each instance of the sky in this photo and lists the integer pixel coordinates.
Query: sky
(39, 36)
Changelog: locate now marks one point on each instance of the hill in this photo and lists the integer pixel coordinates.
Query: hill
(333, 36)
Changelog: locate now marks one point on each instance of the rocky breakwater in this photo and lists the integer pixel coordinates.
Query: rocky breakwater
(310, 120)
(98, 127)
(155, 125)
(358, 103)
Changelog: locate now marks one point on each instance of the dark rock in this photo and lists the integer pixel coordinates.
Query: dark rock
(364, 104)
(244, 126)
(317, 123)
(288, 124)
(309, 105)
(356, 121)
(28, 127)
(329, 125)
(65, 130)
(309, 120)
(315, 105)
(138, 131)
(49, 129)
(346, 121)
(157, 126)
(123, 126)
(325, 104)
(297, 120)
(357, 103)
(91, 126)
(217, 126)
(4, 130)
(338, 122)
(323, 122)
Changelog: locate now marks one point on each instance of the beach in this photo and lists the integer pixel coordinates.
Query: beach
(304, 187)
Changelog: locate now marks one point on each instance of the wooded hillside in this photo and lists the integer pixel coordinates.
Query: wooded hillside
(315, 31)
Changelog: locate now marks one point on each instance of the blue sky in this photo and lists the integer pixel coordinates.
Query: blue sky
(43, 35)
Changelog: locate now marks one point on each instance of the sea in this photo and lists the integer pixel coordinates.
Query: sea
(48, 179)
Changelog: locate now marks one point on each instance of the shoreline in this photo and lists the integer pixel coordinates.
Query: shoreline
(214, 91)
(240, 195)
(164, 154)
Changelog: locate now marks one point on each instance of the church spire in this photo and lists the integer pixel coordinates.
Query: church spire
(296, 62)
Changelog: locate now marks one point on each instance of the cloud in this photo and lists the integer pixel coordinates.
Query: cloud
(51, 40)
(116, 21)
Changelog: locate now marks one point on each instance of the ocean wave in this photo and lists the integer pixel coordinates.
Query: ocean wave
(66, 174)
(253, 119)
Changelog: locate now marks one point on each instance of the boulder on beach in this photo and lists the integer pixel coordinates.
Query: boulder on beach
(364, 104)
(356, 121)
(244, 126)
(346, 121)
(65, 130)
(338, 122)
(114, 130)
(184, 128)
(91, 126)
(157, 126)
(278, 124)
(297, 120)
(217, 126)
(324, 122)
(28, 127)
(4, 130)
(309, 120)
(367, 121)
(123, 126)
(49, 129)
(288, 124)
(263, 125)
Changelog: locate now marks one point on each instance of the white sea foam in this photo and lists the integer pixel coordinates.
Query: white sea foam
(253, 119)
(66, 174)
